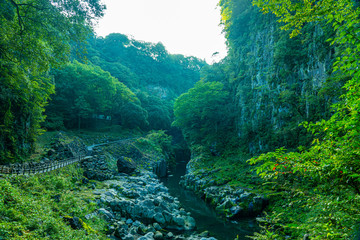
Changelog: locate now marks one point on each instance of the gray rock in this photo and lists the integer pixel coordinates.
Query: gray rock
(157, 226)
(170, 235)
(190, 223)
(105, 214)
(158, 217)
(236, 211)
(167, 216)
(158, 236)
(148, 236)
(179, 221)
(128, 237)
(126, 165)
(136, 223)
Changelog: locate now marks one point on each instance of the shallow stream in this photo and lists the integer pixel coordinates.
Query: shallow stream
(204, 215)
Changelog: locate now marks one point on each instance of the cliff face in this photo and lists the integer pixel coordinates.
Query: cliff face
(276, 82)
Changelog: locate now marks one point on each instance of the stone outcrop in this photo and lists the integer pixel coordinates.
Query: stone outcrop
(160, 168)
(230, 202)
(140, 207)
(126, 165)
(96, 168)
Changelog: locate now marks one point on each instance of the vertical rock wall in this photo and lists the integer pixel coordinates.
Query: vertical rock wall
(276, 80)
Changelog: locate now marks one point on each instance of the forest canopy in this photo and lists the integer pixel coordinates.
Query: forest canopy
(35, 35)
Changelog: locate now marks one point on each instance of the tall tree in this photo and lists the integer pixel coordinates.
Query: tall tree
(200, 114)
(34, 35)
(84, 90)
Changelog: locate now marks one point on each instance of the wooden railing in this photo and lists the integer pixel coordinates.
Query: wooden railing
(29, 168)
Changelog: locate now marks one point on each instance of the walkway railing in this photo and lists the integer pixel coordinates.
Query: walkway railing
(29, 168)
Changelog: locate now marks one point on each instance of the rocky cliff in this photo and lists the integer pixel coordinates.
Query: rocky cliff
(277, 82)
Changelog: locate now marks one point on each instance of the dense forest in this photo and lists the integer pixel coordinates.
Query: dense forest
(279, 112)
(287, 94)
(57, 69)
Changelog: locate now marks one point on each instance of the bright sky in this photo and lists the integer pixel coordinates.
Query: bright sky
(188, 27)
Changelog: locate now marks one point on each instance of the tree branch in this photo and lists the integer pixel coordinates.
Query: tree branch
(21, 23)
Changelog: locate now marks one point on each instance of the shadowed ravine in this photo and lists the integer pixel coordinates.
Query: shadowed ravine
(204, 215)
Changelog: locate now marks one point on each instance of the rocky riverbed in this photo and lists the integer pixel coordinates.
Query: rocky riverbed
(137, 205)
(131, 198)
(230, 202)
(140, 207)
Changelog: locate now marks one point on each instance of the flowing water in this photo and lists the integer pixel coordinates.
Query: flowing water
(204, 215)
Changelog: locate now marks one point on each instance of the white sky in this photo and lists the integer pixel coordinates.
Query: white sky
(188, 27)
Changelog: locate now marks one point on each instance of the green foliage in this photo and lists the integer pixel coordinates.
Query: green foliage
(274, 81)
(130, 61)
(29, 209)
(94, 91)
(159, 110)
(200, 113)
(330, 167)
(34, 36)
(134, 116)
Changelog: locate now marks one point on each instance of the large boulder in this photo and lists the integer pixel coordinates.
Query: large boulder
(126, 165)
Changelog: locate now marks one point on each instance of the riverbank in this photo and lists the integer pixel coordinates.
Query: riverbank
(93, 200)
(226, 183)
(207, 219)
(289, 207)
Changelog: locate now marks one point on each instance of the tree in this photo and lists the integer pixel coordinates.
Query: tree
(200, 113)
(331, 166)
(336, 145)
(34, 36)
(89, 91)
(159, 110)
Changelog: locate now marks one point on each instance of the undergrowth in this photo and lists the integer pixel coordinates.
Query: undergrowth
(300, 208)
(34, 207)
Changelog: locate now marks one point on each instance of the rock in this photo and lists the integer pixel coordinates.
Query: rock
(160, 168)
(136, 223)
(128, 237)
(167, 216)
(158, 236)
(158, 217)
(74, 222)
(129, 221)
(204, 234)
(148, 236)
(122, 230)
(179, 221)
(170, 235)
(142, 229)
(236, 212)
(189, 223)
(126, 165)
(245, 196)
(111, 229)
(96, 175)
(157, 226)
(105, 214)
(90, 215)
(111, 193)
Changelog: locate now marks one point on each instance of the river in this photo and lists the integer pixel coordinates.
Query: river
(204, 215)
